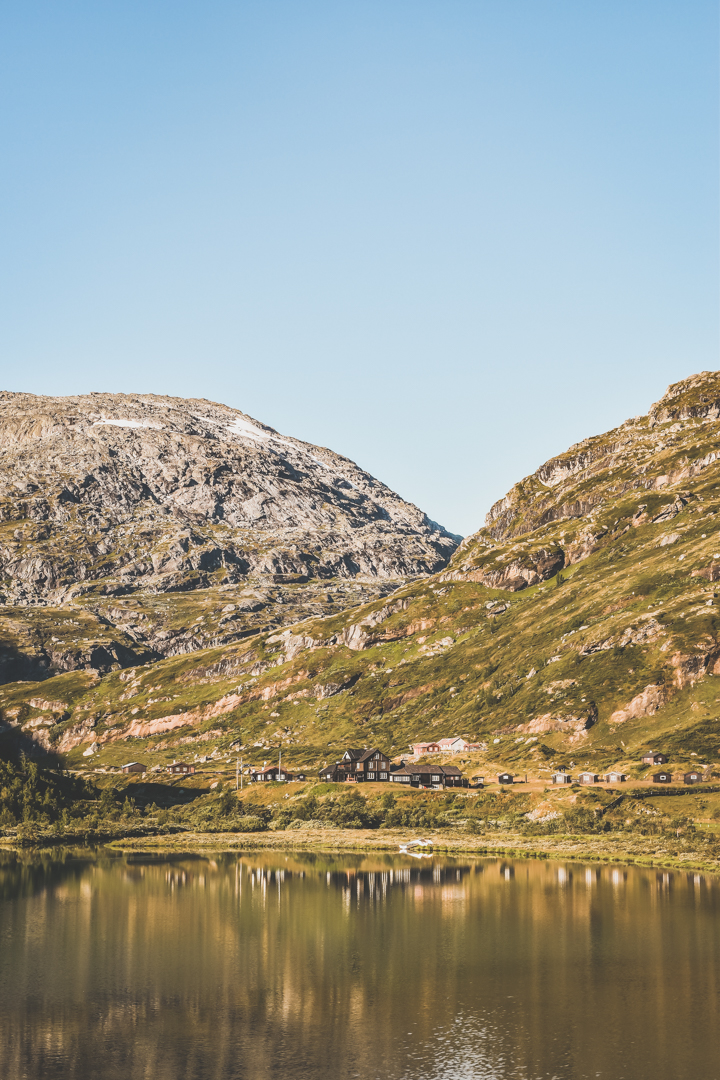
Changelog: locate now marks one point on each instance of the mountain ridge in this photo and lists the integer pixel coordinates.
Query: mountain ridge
(574, 642)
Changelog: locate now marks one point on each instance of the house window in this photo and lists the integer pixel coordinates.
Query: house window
(436, 779)
(383, 776)
(371, 776)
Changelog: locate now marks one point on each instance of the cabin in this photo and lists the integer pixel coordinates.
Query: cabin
(615, 778)
(452, 777)
(358, 765)
(561, 778)
(477, 781)
(419, 749)
(653, 758)
(300, 777)
(693, 777)
(181, 767)
(429, 776)
(587, 778)
(271, 772)
(133, 766)
(454, 745)
(662, 778)
(506, 778)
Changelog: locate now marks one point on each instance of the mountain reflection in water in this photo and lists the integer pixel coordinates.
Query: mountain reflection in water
(307, 965)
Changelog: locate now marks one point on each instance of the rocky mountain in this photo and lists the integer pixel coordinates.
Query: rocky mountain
(106, 497)
(577, 627)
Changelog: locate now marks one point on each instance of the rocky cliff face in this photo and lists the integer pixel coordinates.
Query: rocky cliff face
(169, 525)
(564, 511)
(110, 494)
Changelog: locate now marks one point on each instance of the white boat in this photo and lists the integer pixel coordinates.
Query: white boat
(405, 848)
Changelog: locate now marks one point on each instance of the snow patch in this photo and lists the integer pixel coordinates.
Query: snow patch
(106, 422)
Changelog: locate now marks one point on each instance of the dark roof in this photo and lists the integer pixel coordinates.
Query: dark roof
(374, 750)
(450, 770)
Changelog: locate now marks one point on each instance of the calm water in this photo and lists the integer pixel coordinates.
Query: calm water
(295, 966)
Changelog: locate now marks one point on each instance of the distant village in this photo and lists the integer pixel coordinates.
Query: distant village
(373, 765)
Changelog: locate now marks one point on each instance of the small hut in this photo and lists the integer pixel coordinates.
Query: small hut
(561, 778)
(181, 768)
(133, 766)
(506, 778)
(271, 772)
(662, 778)
(693, 777)
(588, 778)
(654, 758)
(615, 778)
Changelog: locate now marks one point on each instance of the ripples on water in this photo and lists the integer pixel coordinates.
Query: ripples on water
(299, 966)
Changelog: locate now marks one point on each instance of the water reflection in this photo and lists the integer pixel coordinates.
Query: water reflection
(306, 965)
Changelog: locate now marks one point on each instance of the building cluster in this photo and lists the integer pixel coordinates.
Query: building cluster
(652, 757)
(374, 765)
(455, 744)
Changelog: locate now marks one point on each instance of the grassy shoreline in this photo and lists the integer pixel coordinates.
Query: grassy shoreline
(581, 848)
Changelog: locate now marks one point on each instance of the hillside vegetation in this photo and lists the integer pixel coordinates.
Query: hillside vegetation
(578, 627)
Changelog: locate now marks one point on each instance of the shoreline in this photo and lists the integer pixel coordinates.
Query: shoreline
(580, 848)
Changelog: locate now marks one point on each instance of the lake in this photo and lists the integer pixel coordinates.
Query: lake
(289, 965)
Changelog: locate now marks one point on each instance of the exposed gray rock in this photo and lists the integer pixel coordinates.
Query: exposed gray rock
(114, 494)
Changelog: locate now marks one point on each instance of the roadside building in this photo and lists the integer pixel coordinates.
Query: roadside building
(270, 772)
(662, 778)
(133, 766)
(358, 765)
(506, 778)
(561, 778)
(181, 767)
(615, 778)
(587, 778)
(654, 758)
(693, 777)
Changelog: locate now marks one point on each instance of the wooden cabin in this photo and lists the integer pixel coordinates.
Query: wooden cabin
(133, 766)
(654, 758)
(371, 765)
(270, 772)
(506, 778)
(181, 767)
(429, 776)
(561, 778)
(587, 778)
(662, 778)
(419, 749)
(615, 778)
(452, 777)
(693, 777)
(454, 745)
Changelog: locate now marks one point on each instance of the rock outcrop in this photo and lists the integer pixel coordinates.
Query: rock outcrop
(111, 494)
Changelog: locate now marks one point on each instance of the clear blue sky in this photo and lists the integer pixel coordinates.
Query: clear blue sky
(447, 238)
